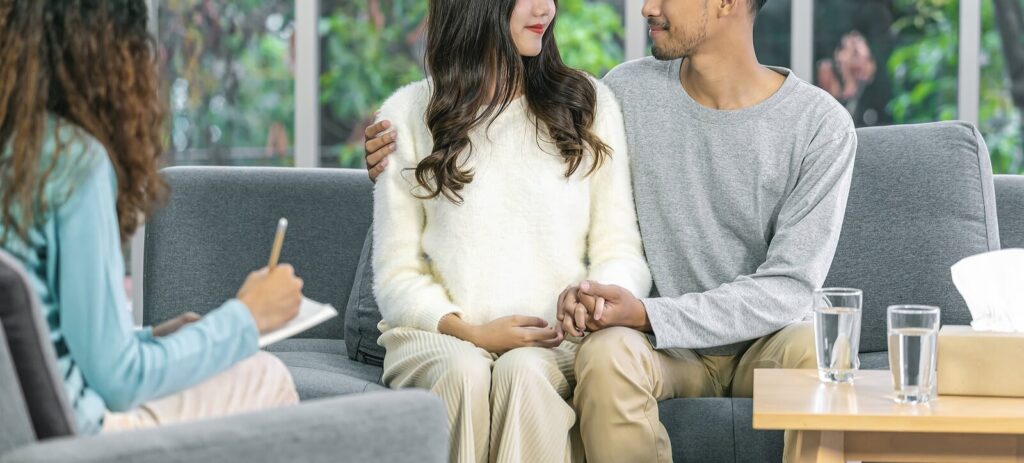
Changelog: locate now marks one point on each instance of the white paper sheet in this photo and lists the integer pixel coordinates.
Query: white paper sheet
(311, 313)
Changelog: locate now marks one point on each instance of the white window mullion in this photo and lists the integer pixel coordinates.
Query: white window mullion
(636, 30)
(137, 246)
(969, 79)
(802, 39)
(307, 83)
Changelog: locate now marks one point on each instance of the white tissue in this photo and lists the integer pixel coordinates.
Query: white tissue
(991, 284)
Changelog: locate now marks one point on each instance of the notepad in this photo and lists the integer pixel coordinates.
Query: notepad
(311, 313)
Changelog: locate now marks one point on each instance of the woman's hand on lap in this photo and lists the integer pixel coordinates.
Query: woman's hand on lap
(504, 334)
(507, 333)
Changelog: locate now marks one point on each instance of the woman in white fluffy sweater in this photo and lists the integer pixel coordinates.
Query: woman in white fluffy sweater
(509, 183)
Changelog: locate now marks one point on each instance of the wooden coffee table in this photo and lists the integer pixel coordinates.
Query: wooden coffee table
(861, 422)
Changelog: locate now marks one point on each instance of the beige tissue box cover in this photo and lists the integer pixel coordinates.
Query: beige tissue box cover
(980, 363)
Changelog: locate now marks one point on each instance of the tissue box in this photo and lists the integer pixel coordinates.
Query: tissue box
(980, 363)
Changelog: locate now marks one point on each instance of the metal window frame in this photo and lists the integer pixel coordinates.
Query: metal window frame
(636, 30)
(307, 83)
(137, 246)
(801, 49)
(969, 74)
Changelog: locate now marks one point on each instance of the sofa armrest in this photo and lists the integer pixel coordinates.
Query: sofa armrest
(1010, 203)
(404, 426)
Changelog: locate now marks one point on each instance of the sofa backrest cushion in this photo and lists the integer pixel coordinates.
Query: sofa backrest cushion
(219, 225)
(922, 198)
(362, 314)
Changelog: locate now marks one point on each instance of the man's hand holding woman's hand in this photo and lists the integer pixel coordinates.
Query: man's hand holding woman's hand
(503, 334)
(573, 316)
(592, 306)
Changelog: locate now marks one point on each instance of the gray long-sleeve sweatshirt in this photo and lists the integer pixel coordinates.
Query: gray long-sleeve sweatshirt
(740, 211)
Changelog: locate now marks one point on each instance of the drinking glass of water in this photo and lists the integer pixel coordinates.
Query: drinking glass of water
(837, 314)
(913, 335)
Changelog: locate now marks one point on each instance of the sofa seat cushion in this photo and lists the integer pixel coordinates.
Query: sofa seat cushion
(322, 368)
(700, 429)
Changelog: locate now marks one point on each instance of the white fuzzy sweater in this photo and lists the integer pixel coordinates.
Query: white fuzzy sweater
(523, 233)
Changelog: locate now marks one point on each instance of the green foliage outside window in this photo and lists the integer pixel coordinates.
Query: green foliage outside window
(231, 85)
(925, 68)
(228, 79)
(373, 48)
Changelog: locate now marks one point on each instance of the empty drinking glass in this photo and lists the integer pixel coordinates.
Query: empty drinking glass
(913, 335)
(837, 314)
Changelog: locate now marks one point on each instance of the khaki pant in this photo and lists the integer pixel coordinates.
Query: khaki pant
(621, 378)
(508, 408)
(257, 383)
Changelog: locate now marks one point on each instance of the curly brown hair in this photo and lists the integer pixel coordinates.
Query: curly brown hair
(469, 46)
(91, 63)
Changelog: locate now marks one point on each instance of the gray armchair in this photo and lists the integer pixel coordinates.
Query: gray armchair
(36, 424)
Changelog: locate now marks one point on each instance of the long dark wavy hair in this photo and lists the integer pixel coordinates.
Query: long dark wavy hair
(469, 46)
(92, 63)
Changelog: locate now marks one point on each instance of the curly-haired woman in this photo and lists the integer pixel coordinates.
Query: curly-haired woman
(80, 137)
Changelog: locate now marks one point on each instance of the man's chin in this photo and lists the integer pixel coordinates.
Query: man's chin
(662, 54)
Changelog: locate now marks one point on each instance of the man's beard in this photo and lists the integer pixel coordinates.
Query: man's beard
(683, 47)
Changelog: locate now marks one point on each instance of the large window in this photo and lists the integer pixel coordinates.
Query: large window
(230, 83)
(233, 71)
(1002, 83)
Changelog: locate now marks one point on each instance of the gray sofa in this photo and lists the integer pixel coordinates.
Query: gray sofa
(36, 423)
(922, 198)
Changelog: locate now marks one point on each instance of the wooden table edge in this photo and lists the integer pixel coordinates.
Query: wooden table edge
(870, 423)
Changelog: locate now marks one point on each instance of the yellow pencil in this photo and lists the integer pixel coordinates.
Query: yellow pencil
(275, 253)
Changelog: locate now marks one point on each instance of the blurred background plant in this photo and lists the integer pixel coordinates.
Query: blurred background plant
(229, 80)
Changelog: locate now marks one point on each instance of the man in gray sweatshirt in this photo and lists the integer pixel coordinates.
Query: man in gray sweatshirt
(741, 174)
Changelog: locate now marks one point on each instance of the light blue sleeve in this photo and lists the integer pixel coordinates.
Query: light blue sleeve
(124, 366)
(145, 333)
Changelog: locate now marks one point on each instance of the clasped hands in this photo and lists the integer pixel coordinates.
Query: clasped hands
(592, 306)
(588, 307)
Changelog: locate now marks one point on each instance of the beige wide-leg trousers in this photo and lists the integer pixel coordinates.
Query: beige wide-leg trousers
(508, 408)
(621, 378)
(257, 383)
